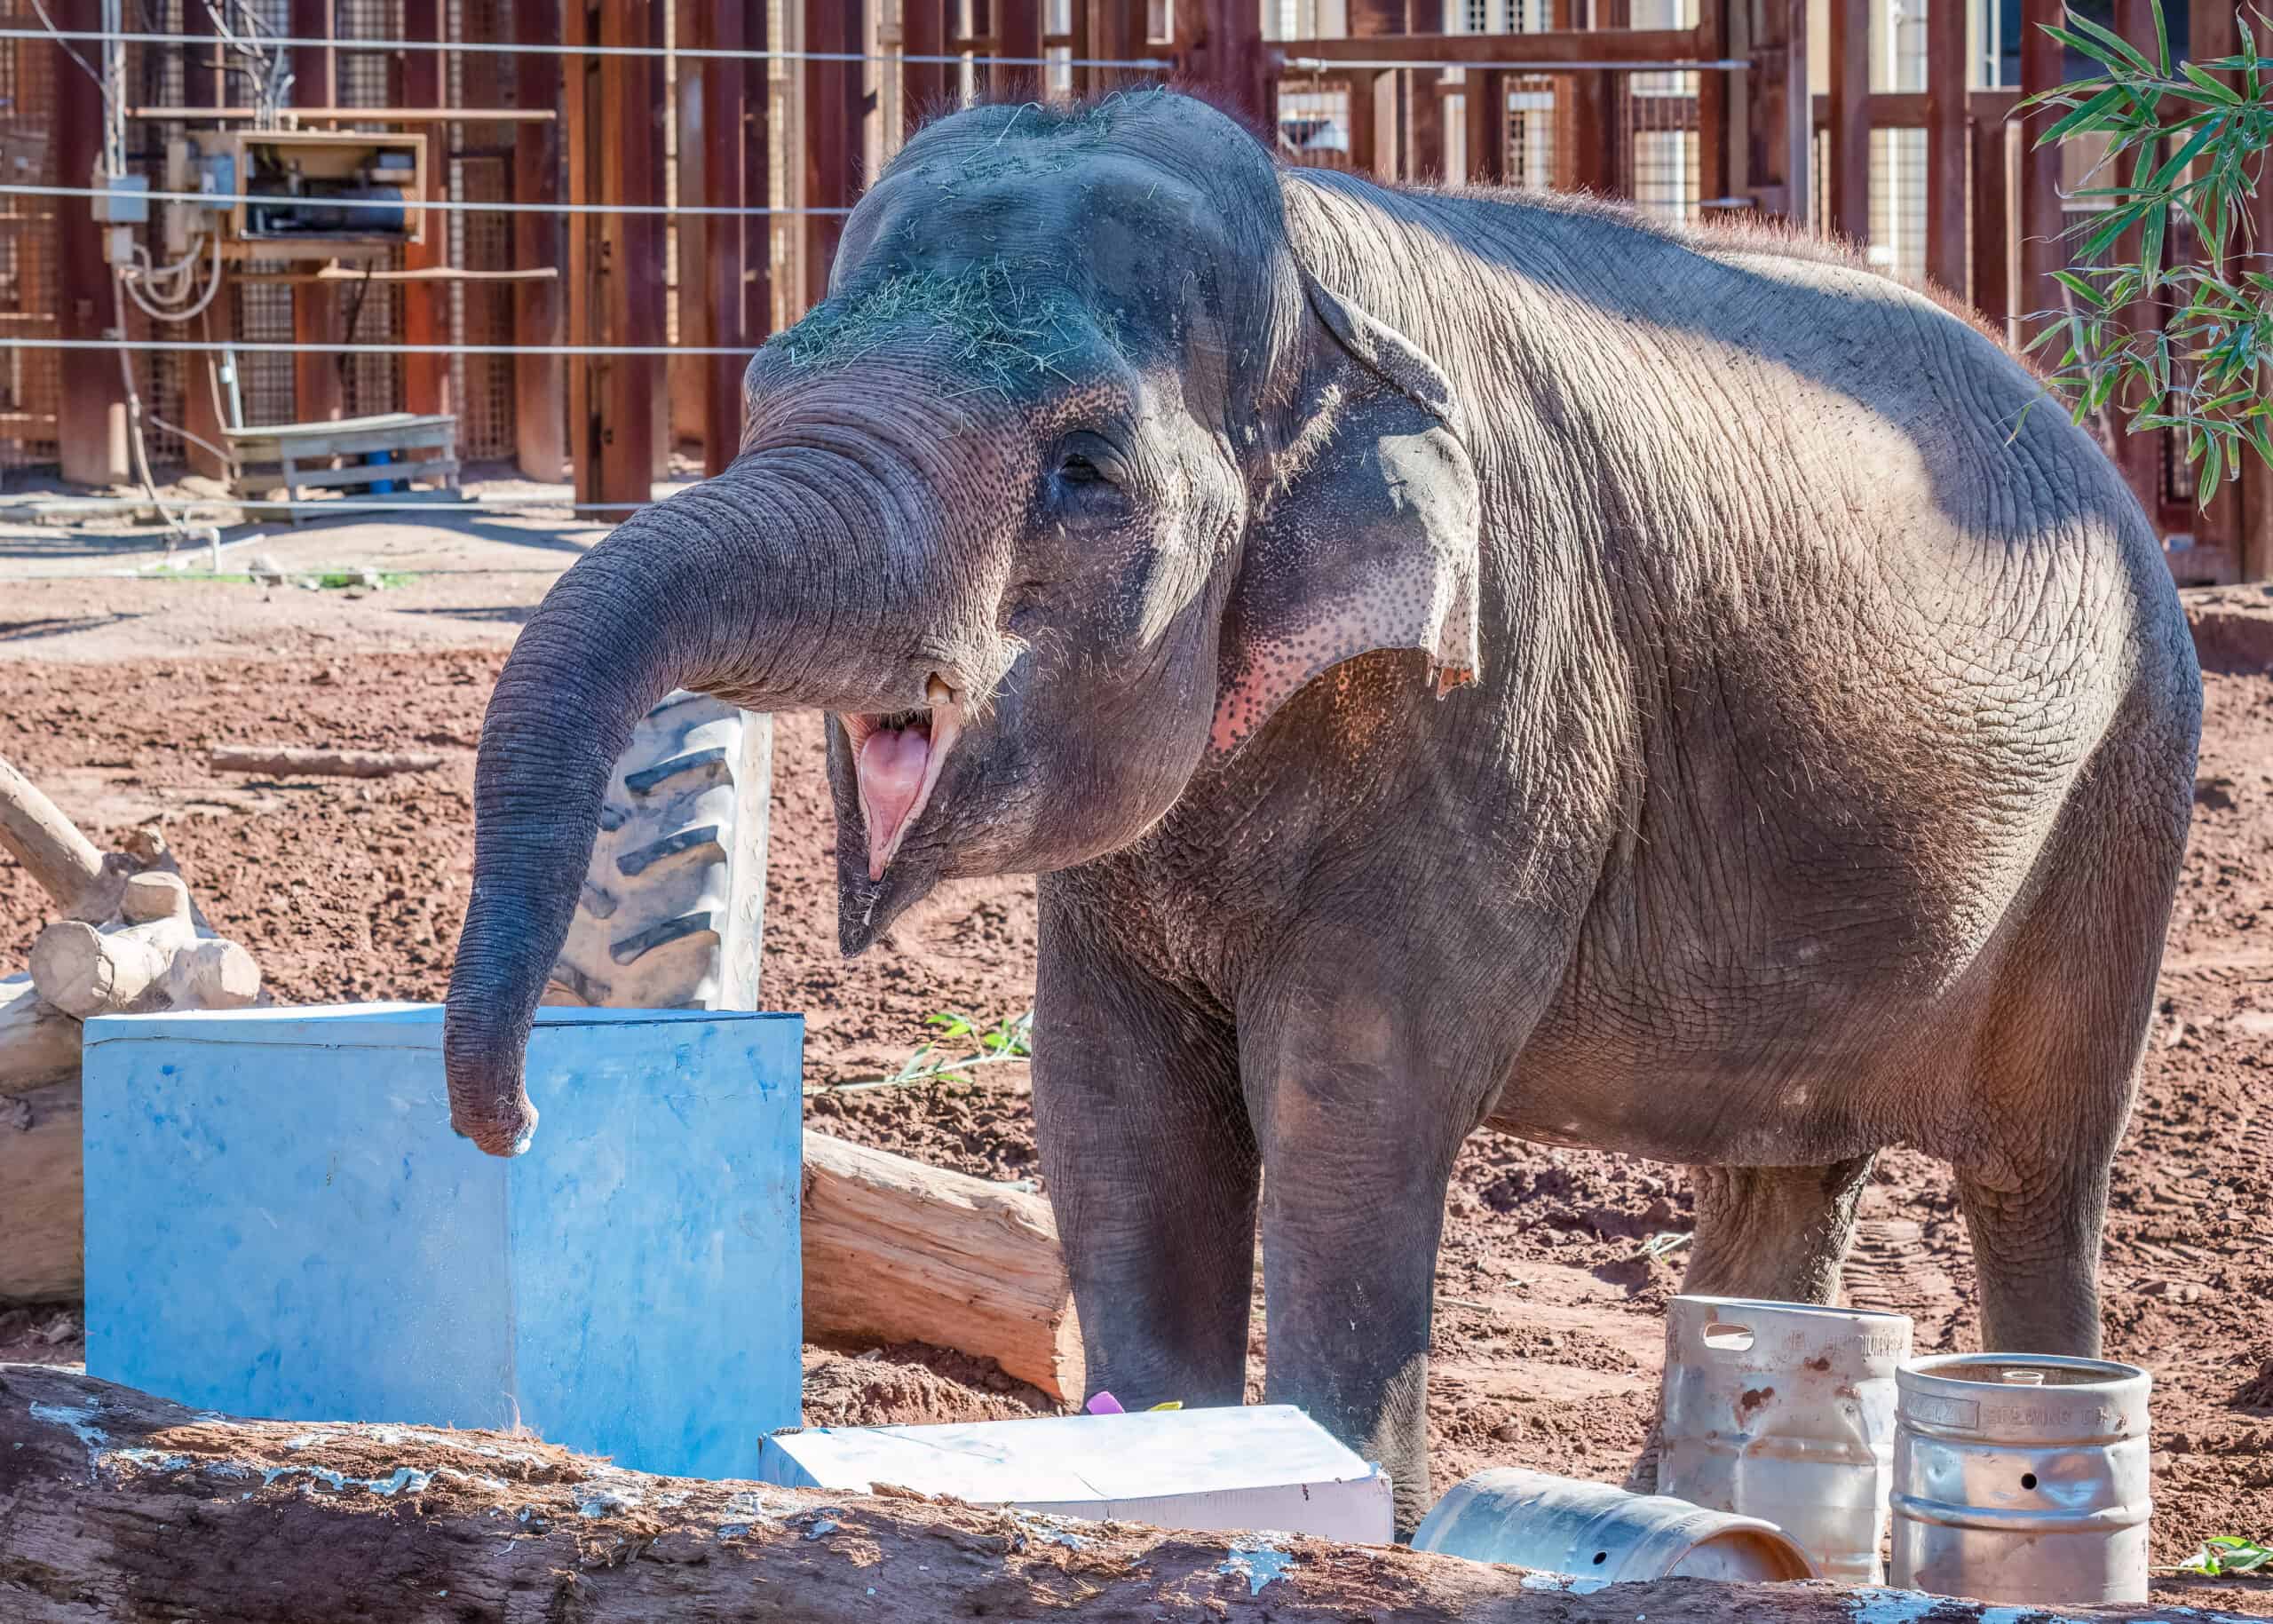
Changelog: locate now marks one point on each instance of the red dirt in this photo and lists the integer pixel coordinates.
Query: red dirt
(1548, 1329)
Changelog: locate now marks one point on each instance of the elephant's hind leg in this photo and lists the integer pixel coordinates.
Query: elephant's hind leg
(2058, 1057)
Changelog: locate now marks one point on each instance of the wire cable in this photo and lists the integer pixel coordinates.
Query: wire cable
(440, 204)
(521, 48)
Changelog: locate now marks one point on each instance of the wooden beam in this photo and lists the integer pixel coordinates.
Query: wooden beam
(1220, 42)
(91, 420)
(205, 84)
(835, 132)
(1547, 46)
(1117, 33)
(1018, 33)
(632, 392)
(2140, 456)
(1945, 144)
(1381, 92)
(2041, 250)
(758, 178)
(1798, 117)
(540, 309)
(925, 88)
(318, 389)
(710, 246)
(2241, 514)
(1424, 139)
(580, 125)
(1713, 147)
(1993, 223)
(426, 306)
(1852, 113)
(1486, 110)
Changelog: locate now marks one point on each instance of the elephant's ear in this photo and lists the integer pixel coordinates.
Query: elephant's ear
(1371, 544)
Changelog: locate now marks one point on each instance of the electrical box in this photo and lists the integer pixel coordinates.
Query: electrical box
(313, 193)
(124, 200)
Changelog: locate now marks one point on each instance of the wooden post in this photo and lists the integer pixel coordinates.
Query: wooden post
(924, 87)
(1849, 179)
(1945, 139)
(205, 84)
(1018, 33)
(426, 304)
(1117, 33)
(1221, 43)
(835, 132)
(91, 420)
(1799, 116)
(2240, 516)
(2041, 251)
(1993, 222)
(580, 119)
(1486, 99)
(318, 389)
(1424, 139)
(1713, 180)
(632, 293)
(757, 178)
(539, 308)
(2139, 456)
(710, 246)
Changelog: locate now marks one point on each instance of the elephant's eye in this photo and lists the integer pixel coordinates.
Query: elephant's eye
(1077, 469)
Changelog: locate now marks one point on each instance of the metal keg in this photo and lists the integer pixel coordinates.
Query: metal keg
(2022, 1478)
(1592, 1530)
(1786, 1411)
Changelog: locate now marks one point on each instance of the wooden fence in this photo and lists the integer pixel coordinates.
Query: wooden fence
(1696, 109)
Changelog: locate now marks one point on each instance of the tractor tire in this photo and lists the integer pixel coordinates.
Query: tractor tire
(672, 912)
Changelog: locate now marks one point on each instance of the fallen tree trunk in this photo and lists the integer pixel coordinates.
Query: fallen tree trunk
(42, 1247)
(39, 1044)
(115, 1505)
(903, 1252)
(283, 761)
(49, 845)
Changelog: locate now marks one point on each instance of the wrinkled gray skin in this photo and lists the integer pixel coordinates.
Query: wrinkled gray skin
(1821, 783)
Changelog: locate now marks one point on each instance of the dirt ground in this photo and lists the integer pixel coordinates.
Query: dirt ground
(1548, 1329)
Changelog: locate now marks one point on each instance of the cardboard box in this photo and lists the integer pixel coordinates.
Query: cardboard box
(280, 1223)
(1260, 1467)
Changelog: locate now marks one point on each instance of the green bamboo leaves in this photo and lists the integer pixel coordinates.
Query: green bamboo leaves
(2192, 136)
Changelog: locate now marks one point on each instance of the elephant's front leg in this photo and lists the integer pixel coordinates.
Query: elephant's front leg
(1153, 1170)
(1359, 1124)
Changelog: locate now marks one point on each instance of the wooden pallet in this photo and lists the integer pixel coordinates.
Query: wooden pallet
(298, 456)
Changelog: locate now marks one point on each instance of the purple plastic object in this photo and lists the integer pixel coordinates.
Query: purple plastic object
(1105, 1404)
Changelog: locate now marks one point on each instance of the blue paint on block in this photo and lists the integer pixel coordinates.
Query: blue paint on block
(279, 1223)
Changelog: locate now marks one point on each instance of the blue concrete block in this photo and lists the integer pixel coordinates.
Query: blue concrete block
(279, 1223)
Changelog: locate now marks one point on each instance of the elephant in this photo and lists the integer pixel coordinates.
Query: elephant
(1453, 657)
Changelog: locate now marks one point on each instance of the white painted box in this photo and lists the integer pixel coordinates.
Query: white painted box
(1256, 1467)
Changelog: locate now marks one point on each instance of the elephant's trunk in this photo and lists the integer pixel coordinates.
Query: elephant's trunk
(793, 580)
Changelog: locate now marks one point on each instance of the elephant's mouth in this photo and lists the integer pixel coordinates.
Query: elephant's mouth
(897, 759)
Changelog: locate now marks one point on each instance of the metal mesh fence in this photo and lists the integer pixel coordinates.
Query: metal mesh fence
(370, 311)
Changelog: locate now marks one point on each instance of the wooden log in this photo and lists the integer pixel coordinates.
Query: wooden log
(63, 862)
(903, 1252)
(115, 1504)
(44, 1259)
(281, 761)
(39, 1044)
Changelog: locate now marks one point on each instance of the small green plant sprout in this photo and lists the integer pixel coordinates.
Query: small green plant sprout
(2185, 141)
(973, 1046)
(2227, 1556)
